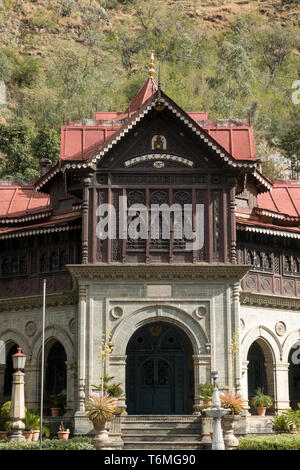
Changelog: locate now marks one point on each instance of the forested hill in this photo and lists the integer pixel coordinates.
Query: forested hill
(63, 59)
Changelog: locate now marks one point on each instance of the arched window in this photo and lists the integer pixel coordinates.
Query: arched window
(56, 372)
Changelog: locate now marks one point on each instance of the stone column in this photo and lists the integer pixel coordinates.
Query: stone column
(244, 384)
(281, 386)
(2, 376)
(81, 344)
(69, 411)
(271, 381)
(32, 385)
(117, 369)
(201, 375)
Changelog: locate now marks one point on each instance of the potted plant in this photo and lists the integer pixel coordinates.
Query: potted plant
(282, 424)
(235, 404)
(113, 390)
(261, 402)
(206, 392)
(100, 408)
(63, 433)
(56, 402)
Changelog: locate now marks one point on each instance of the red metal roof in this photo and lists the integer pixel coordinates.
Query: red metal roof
(21, 200)
(79, 139)
(283, 199)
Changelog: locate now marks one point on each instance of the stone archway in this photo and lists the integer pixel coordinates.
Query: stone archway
(159, 372)
(276, 368)
(189, 326)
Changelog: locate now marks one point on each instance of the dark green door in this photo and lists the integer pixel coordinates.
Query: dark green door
(157, 378)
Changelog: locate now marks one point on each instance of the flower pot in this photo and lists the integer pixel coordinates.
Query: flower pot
(35, 435)
(27, 435)
(207, 403)
(261, 411)
(228, 423)
(63, 435)
(3, 434)
(55, 411)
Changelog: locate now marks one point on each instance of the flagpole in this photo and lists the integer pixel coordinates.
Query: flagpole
(42, 366)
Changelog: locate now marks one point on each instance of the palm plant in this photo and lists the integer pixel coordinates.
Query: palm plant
(233, 401)
(282, 423)
(31, 421)
(260, 400)
(101, 407)
(294, 416)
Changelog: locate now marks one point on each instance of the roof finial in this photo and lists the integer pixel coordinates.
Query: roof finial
(151, 65)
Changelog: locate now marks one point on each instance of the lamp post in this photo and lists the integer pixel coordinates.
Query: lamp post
(216, 412)
(17, 411)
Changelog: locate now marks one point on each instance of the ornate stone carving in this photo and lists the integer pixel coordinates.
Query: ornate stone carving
(270, 301)
(30, 328)
(116, 312)
(280, 328)
(200, 312)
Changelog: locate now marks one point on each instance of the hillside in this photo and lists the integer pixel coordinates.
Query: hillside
(63, 59)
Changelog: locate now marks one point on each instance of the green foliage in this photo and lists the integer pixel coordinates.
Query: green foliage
(77, 443)
(31, 421)
(5, 409)
(206, 391)
(101, 407)
(55, 400)
(113, 390)
(15, 144)
(279, 442)
(260, 400)
(46, 144)
(294, 417)
(282, 423)
(290, 143)
(26, 71)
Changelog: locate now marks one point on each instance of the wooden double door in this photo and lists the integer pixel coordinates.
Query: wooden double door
(158, 373)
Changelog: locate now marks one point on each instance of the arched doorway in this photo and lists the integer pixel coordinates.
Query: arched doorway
(257, 377)
(294, 377)
(159, 377)
(12, 349)
(56, 371)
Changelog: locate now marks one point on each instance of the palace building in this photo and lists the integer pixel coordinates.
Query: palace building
(173, 309)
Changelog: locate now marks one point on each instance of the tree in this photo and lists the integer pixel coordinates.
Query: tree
(46, 144)
(15, 145)
(273, 45)
(290, 144)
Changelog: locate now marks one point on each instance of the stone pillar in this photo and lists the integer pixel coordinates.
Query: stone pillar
(117, 369)
(2, 376)
(271, 381)
(201, 375)
(17, 411)
(244, 384)
(32, 385)
(69, 411)
(81, 344)
(281, 386)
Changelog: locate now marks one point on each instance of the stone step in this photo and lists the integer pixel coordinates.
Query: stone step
(161, 431)
(166, 445)
(192, 438)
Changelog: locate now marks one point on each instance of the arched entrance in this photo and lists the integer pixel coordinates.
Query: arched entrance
(257, 377)
(294, 377)
(56, 371)
(159, 377)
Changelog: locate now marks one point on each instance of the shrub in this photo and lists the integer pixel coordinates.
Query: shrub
(282, 423)
(233, 401)
(280, 442)
(77, 443)
(101, 407)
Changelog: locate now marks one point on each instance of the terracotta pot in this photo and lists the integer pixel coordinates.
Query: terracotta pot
(3, 434)
(55, 411)
(261, 411)
(27, 435)
(63, 435)
(208, 403)
(35, 435)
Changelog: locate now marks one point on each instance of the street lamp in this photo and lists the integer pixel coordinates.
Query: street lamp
(17, 411)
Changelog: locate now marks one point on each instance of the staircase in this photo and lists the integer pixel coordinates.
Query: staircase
(161, 432)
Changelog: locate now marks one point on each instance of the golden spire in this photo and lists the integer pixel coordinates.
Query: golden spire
(151, 65)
